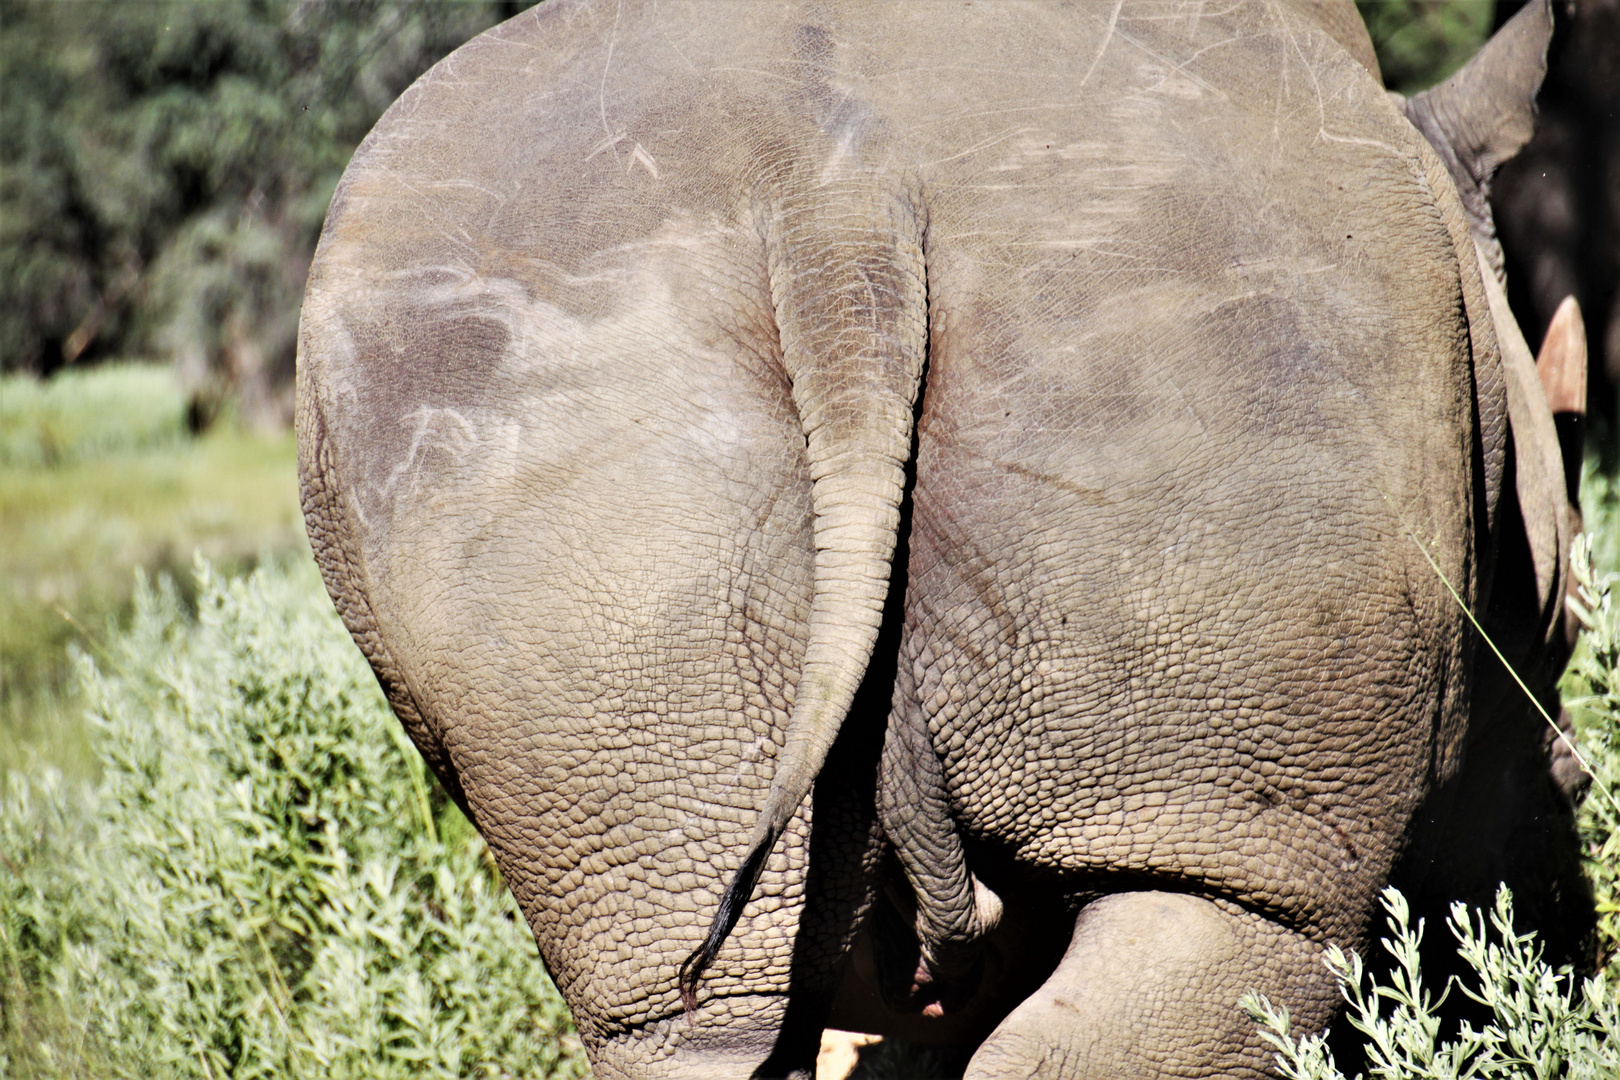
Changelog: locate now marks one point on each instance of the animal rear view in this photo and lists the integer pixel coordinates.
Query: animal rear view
(1034, 421)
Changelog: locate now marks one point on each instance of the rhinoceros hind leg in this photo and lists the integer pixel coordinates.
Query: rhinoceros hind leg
(1150, 986)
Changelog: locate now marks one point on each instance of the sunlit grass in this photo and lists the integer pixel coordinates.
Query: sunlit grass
(98, 477)
(79, 415)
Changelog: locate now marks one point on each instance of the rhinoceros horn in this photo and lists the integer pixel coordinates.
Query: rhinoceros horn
(1562, 367)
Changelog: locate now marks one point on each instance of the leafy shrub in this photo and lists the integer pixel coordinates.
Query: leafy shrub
(265, 882)
(1596, 669)
(1543, 1024)
(1547, 1023)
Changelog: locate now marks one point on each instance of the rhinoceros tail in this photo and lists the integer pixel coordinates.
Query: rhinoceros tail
(848, 284)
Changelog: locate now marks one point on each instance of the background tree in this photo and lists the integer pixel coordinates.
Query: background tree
(165, 166)
(1420, 42)
(1557, 204)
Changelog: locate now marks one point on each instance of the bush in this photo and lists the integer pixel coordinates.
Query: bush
(1543, 1024)
(88, 414)
(1596, 670)
(265, 881)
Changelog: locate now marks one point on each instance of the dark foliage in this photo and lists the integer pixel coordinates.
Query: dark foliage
(1557, 204)
(1420, 42)
(165, 166)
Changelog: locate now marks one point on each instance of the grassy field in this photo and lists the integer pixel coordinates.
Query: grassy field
(100, 478)
(262, 881)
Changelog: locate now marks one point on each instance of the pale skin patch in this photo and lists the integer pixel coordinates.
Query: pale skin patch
(841, 1052)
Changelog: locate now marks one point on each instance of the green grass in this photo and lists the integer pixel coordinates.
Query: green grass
(99, 477)
(88, 414)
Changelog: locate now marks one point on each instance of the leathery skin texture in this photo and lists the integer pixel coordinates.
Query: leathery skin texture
(611, 372)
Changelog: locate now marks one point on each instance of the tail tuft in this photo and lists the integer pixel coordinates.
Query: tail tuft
(725, 920)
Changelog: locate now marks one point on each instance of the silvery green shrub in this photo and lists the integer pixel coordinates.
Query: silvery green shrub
(1593, 695)
(264, 882)
(1544, 1023)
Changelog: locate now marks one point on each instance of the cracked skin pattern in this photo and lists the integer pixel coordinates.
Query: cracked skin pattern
(616, 293)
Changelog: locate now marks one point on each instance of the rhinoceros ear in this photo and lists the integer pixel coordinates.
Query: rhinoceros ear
(1485, 113)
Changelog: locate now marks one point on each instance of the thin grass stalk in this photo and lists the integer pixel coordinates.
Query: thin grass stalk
(1580, 759)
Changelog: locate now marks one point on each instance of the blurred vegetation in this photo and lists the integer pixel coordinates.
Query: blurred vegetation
(100, 475)
(265, 881)
(120, 409)
(165, 167)
(1420, 42)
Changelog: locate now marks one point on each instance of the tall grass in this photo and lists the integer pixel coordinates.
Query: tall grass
(264, 882)
(88, 414)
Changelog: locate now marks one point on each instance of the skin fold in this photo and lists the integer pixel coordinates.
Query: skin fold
(915, 516)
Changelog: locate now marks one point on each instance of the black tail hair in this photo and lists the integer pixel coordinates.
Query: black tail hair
(732, 903)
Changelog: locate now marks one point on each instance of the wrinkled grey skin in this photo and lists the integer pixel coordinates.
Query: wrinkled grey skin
(1140, 344)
